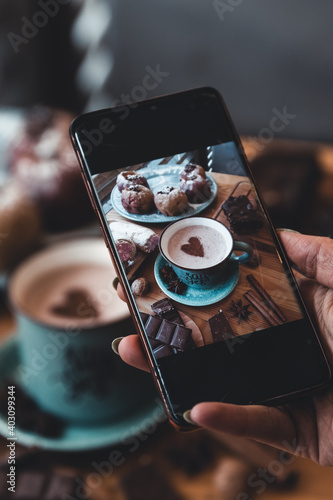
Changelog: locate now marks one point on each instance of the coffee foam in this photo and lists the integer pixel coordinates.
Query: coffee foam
(213, 249)
(73, 296)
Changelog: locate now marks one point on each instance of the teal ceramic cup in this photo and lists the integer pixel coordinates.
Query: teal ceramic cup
(194, 273)
(66, 362)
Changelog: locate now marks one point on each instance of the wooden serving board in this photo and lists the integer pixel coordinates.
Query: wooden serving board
(270, 273)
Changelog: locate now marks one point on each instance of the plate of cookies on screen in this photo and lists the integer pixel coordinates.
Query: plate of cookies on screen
(166, 193)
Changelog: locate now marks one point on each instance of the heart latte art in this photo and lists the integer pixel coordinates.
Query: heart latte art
(193, 247)
(197, 247)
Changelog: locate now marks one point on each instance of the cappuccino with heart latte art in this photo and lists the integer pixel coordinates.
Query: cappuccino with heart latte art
(197, 247)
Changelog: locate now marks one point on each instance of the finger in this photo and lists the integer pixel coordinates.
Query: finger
(265, 424)
(130, 350)
(120, 292)
(312, 255)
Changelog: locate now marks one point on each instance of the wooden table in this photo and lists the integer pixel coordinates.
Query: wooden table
(269, 273)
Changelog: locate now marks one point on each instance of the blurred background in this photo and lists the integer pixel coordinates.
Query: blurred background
(267, 58)
(260, 55)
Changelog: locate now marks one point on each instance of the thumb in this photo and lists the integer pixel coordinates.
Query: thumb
(269, 425)
(312, 255)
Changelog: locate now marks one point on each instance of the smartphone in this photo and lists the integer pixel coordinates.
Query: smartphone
(210, 290)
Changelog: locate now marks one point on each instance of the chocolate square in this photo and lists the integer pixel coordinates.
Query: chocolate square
(144, 317)
(162, 351)
(165, 332)
(220, 327)
(152, 326)
(154, 343)
(166, 310)
(180, 337)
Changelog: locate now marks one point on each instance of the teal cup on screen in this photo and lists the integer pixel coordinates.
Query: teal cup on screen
(199, 249)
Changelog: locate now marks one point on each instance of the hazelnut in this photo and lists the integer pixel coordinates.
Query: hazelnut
(140, 286)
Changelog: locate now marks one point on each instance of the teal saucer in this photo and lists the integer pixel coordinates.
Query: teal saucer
(194, 296)
(78, 437)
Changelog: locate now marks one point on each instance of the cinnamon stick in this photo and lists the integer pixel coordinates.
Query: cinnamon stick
(265, 295)
(263, 310)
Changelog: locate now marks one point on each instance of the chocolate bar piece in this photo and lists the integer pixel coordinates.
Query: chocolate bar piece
(154, 343)
(162, 351)
(166, 310)
(165, 332)
(152, 326)
(220, 327)
(180, 337)
(144, 316)
(240, 213)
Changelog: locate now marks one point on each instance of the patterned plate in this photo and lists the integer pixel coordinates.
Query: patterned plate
(158, 178)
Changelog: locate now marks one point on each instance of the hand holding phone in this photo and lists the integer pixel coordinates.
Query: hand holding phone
(302, 427)
(222, 319)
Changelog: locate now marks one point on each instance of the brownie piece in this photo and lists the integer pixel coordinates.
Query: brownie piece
(241, 214)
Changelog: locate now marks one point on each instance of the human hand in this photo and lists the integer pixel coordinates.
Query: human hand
(306, 426)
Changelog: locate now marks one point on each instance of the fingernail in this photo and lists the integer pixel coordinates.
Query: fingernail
(115, 283)
(115, 344)
(187, 417)
(286, 229)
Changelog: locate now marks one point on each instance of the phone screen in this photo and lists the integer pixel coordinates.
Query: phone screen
(215, 298)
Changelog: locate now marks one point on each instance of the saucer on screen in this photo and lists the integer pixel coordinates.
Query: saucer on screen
(194, 296)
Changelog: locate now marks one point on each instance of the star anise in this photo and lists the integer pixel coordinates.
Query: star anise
(168, 274)
(239, 311)
(177, 287)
